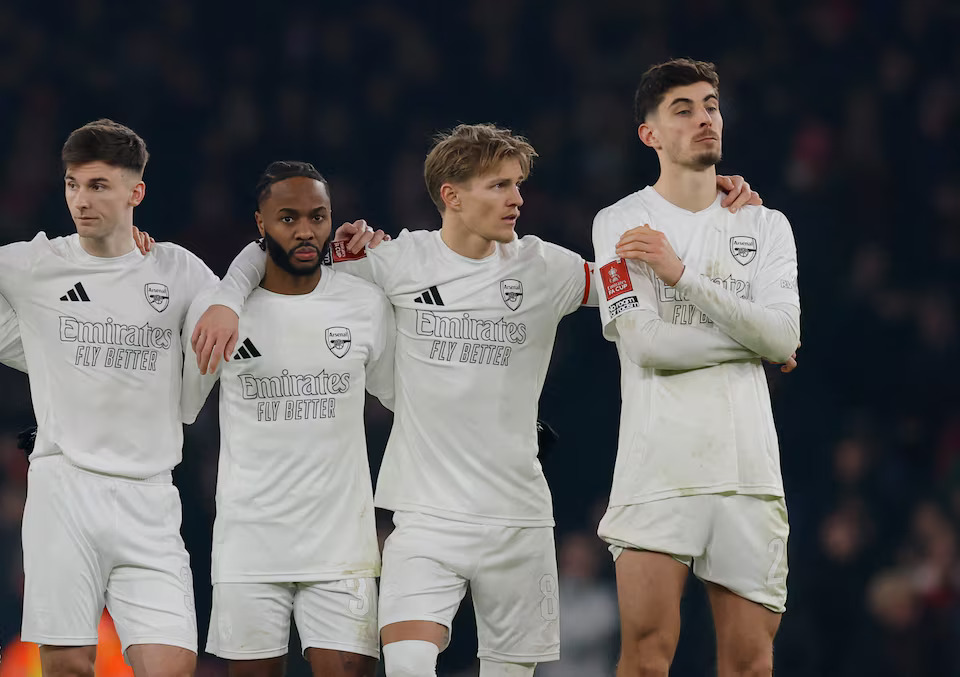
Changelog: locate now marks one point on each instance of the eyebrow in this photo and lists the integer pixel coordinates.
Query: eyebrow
(101, 179)
(685, 101)
(321, 208)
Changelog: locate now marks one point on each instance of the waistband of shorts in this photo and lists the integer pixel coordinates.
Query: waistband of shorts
(165, 477)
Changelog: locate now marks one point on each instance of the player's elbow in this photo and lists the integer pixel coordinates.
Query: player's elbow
(783, 345)
(646, 354)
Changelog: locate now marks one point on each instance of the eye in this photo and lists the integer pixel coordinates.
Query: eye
(683, 112)
(320, 218)
(286, 219)
(98, 187)
(712, 109)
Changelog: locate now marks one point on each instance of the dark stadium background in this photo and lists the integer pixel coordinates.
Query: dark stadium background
(844, 114)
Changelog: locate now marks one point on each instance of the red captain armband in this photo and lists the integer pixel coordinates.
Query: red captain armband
(615, 279)
(340, 253)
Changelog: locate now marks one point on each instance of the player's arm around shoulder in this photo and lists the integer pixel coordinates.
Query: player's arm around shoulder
(17, 261)
(196, 384)
(567, 273)
(381, 361)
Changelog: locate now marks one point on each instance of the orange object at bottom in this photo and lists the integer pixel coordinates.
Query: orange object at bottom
(22, 659)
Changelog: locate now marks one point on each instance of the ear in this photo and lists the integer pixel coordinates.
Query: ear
(648, 136)
(259, 219)
(138, 193)
(450, 196)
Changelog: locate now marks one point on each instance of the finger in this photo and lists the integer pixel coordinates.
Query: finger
(360, 237)
(377, 238)
(790, 365)
(639, 238)
(138, 240)
(231, 345)
(344, 232)
(215, 356)
(203, 357)
(150, 243)
(743, 197)
(195, 338)
(755, 198)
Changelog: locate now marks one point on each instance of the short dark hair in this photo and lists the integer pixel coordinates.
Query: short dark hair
(660, 79)
(281, 170)
(106, 141)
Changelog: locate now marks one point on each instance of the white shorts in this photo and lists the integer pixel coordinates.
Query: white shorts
(736, 541)
(512, 572)
(92, 540)
(252, 620)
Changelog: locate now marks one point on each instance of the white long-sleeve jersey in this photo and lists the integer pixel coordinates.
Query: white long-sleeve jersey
(696, 415)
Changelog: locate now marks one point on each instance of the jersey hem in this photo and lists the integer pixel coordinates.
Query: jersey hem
(736, 489)
(500, 657)
(470, 518)
(320, 577)
(360, 649)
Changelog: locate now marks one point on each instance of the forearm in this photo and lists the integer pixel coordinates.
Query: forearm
(243, 276)
(649, 342)
(770, 331)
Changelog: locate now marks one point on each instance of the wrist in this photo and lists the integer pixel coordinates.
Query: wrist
(674, 274)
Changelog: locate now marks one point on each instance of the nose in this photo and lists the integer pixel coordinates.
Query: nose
(303, 230)
(516, 199)
(81, 199)
(703, 117)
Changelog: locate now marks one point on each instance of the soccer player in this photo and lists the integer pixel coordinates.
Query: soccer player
(477, 310)
(295, 530)
(697, 481)
(101, 327)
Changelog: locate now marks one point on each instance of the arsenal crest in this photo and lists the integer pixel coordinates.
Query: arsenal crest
(511, 291)
(158, 295)
(744, 249)
(338, 340)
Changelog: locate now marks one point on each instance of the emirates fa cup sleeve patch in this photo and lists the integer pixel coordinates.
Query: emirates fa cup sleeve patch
(615, 279)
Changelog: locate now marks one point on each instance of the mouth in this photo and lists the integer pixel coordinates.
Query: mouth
(306, 253)
(706, 138)
(511, 219)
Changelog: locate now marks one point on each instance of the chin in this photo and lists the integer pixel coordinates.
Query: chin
(705, 160)
(504, 236)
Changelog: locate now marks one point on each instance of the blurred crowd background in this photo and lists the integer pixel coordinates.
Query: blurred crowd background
(843, 114)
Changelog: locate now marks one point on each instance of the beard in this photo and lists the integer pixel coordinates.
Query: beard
(284, 259)
(705, 160)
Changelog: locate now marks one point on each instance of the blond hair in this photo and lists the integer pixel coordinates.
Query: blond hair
(469, 151)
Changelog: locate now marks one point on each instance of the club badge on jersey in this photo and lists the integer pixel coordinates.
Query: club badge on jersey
(158, 295)
(338, 340)
(744, 249)
(511, 291)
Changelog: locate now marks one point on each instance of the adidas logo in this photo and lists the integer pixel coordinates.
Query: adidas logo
(78, 293)
(431, 297)
(247, 351)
